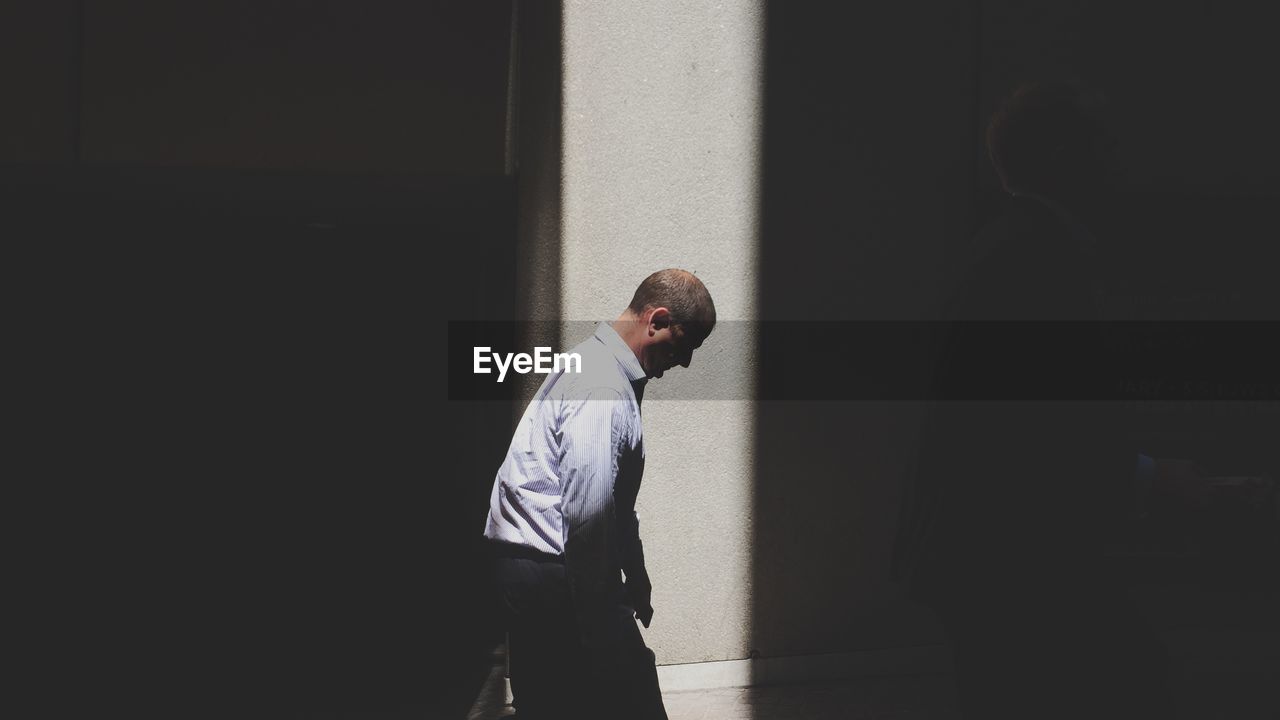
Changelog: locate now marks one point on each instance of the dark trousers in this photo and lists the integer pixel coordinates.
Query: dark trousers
(1053, 651)
(552, 674)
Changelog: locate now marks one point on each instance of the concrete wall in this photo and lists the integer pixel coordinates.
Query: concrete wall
(265, 84)
(538, 150)
(1187, 86)
(39, 77)
(280, 84)
(820, 162)
(250, 220)
(869, 172)
(1188, 83)
(874, 167)
(661, 122)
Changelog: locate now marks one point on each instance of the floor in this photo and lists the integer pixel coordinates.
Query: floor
(929, 697)
(872, 698)
(1242, 694)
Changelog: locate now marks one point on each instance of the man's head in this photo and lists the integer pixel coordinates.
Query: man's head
(1050, 138)
(669, 316)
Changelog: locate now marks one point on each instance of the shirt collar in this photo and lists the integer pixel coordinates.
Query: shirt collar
(621, 352)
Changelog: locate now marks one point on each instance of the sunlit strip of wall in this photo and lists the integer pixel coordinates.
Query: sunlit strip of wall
(661, 168)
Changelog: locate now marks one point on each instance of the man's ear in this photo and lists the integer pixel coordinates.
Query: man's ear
(659, 318)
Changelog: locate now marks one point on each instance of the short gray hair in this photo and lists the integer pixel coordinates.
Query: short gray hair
(681, 292)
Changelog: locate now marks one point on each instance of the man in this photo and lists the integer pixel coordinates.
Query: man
(562, 521)
(1003, 532)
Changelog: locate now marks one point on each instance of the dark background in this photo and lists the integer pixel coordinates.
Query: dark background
(876, 175)
(239, 229)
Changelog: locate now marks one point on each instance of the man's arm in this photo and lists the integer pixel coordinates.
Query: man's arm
(592, 434)
(639, 589)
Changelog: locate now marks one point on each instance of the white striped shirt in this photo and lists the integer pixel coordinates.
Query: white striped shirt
(569, 481)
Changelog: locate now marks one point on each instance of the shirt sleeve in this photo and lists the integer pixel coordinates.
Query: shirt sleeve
(592, 433)
(630, 547)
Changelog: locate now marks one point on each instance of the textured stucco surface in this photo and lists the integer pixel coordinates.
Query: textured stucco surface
(661, 140)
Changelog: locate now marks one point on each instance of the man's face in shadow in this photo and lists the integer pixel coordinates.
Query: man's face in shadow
(667, 344)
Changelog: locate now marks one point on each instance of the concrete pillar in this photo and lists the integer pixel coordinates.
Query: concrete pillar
(660, 131)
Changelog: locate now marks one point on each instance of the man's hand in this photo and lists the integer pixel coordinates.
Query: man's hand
(639, 593)
(644, 613)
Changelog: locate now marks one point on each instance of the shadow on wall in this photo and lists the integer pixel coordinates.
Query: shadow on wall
(874, 170)
(868, 171)
(538, 153)
(256, 354)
